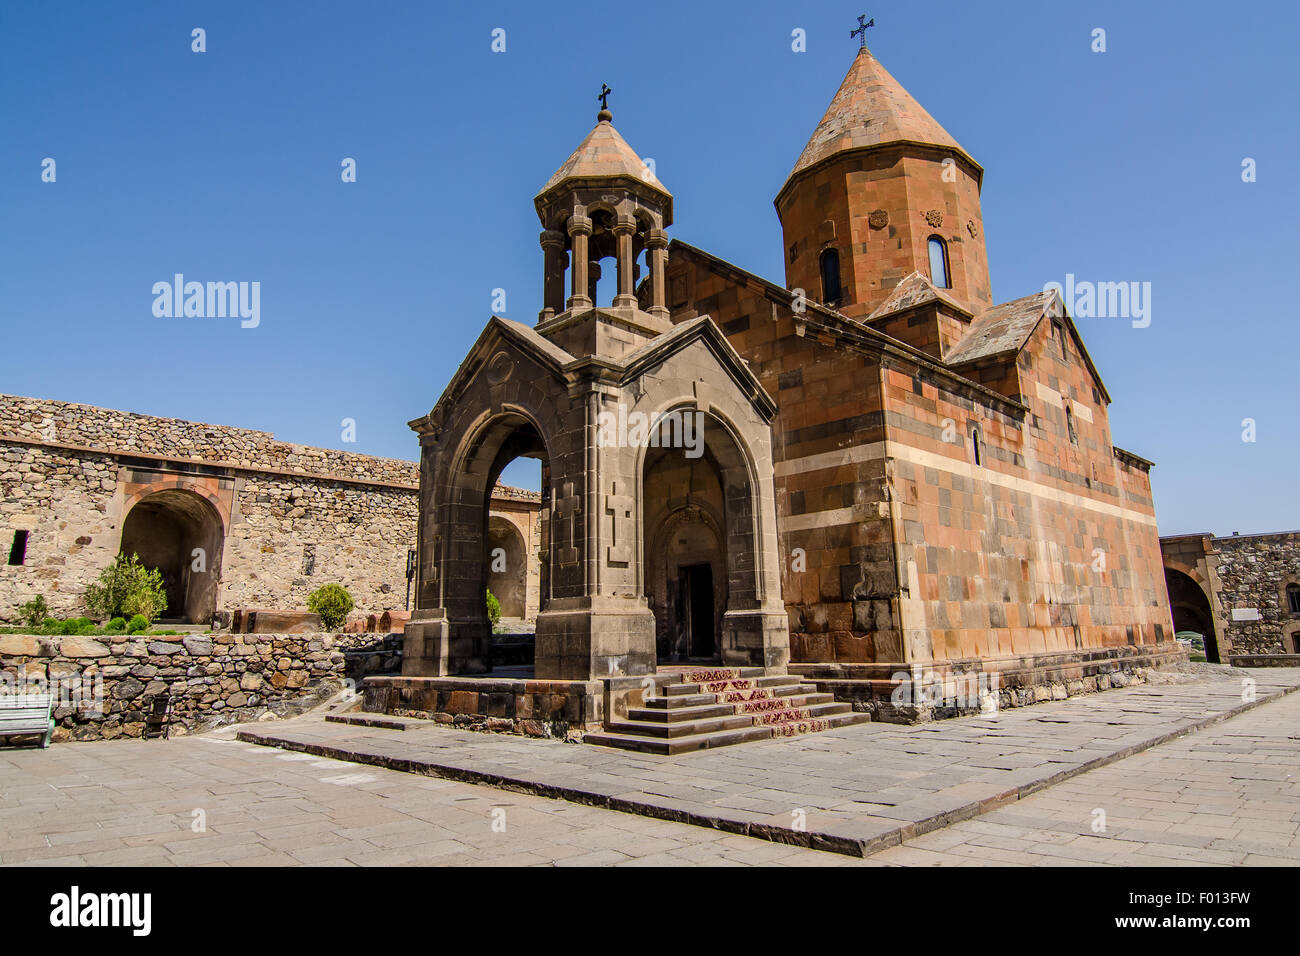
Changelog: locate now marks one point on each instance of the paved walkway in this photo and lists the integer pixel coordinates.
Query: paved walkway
(135, 803)
(1229, 795)
(854, 790)
(1225, 795)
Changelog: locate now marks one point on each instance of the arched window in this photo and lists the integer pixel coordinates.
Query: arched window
(830, 264)
(1069, 425)
(1293, 598)
(939, 263)
(975, 445)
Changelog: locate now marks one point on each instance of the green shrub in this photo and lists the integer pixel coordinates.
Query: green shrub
(493, 608)
(115, 626)
(51, 625)
(137, 625)
(77, 625)
(333, 603)
(127, 587)
(34, 611)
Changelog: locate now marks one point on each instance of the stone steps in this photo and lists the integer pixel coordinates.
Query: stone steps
(716, 707)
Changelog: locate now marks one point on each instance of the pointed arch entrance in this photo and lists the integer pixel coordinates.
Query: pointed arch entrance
(703, 562)
(507, 566)
(457, 543)
(1191, 610)
(180, 533)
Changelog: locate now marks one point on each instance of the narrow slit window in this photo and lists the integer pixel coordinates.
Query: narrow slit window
(975, 446)
(939, 263)
(18, 550)
(1069, 425)
(830, 263)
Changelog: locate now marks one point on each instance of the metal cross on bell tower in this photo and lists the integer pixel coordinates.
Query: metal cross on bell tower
(604, 96)
(861, 31)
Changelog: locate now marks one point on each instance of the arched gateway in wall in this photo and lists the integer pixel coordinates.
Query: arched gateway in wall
(180, 533)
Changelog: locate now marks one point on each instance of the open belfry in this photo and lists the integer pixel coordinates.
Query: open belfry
(868, 470)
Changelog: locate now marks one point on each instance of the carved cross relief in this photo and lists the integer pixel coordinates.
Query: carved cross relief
(567, 506)
(619, 508)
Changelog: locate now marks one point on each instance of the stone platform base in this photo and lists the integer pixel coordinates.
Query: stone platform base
(534, 708)
(915, 693)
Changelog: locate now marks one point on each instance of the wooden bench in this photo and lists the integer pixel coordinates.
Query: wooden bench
(27, 714)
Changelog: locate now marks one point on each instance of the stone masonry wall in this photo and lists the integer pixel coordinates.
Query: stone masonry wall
(292, 517)
(67, 423)
(102, 684)
(1254, 571)
(291, 536)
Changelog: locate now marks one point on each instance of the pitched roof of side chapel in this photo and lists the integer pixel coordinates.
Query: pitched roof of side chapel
(915, 290)
(1001, 329)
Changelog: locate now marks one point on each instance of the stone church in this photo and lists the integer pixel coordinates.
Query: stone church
(894, 472)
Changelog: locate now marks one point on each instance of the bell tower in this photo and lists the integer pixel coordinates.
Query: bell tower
(882, 191)
(603, 203)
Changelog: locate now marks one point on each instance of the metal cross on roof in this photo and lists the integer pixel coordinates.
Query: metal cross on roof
(862, 30)
(604, 96)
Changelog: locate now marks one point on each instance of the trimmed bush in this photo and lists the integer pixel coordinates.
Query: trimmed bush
(333, 603)
(137, 625)
(115, 626)
(126, 587)
(493, 608)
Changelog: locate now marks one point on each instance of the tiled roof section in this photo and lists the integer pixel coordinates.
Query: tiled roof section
(1001, 329)
(915, 290)
(604, 153)
(872, 108)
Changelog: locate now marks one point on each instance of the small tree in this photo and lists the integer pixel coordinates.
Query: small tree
(333, 603)
(493, 608)
(34, 612)
(127, 588)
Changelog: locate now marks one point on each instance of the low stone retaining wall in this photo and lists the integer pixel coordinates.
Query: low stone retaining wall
(102, 684)
(532, 708)
(1264, 660)
(935, 691)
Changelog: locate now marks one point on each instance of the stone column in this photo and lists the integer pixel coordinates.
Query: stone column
(552, 274)
(593, 277)
(624, 229)
(656, 244)
(579, 231)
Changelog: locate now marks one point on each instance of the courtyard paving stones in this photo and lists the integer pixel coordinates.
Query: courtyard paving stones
(854, 790)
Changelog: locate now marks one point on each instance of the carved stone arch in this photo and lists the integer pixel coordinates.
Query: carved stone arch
(748, 594)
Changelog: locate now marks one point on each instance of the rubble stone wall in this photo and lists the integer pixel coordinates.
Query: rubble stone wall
(102, 685)
(1254, 572)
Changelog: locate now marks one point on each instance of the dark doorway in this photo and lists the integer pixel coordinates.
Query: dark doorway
(179, 533)
(695, 585)
(1191, 611)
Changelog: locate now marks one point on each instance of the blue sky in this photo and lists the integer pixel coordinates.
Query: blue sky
(225, 166)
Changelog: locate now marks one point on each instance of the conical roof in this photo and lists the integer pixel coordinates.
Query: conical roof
(871, 108)
(603, 154)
